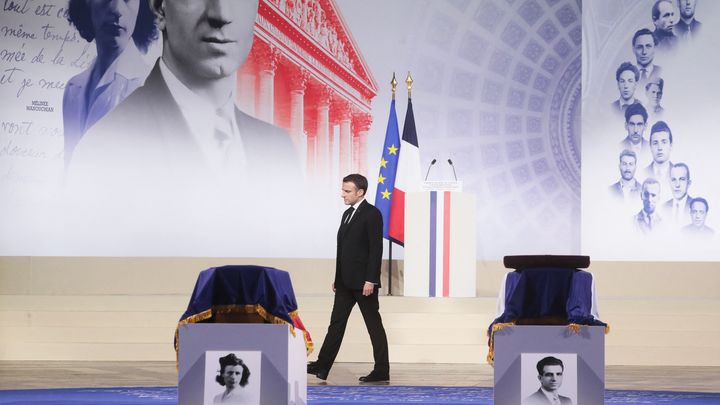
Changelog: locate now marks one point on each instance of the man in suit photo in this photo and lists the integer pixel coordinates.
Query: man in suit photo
(626, 76)
(654, 94)
(688, 26)
(183, 124)
(635, 123)
(357, 281)
(648, 220)
(699, 208)
(627, 188)
(550, 374)
(677, 209)
(664, 19)
(644, 44)
(661, 141)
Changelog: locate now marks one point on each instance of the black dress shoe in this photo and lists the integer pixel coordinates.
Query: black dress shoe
(375, 376)
(319, 372)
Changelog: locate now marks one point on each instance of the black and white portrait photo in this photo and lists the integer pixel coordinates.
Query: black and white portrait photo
(232, 377)
(549, 379)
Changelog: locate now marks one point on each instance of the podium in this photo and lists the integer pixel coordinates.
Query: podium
(440, 242)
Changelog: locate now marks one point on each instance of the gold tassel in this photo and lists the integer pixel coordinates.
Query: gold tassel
(491, 351)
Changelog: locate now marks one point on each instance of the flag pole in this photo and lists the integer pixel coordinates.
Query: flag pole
(393, 83)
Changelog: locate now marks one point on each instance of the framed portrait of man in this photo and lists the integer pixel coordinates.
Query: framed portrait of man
(548, 379)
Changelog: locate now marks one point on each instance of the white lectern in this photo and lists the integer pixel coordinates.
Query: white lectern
(440, 242)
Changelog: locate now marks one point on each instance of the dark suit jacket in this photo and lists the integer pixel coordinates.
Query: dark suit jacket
(359, 249)
(538, 398)
(682, 27)
(146, 140)
(667, 209)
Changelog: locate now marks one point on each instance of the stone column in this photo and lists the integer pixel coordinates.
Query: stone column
(267, 59)
(361, 126)
(323, 163)
(298, 84)
(345, 142)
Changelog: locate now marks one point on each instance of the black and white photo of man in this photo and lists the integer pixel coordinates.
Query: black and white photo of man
(627, 188)
(654, 94)
(687, 26)
(550, 374)
(677, 209)
(698, 213)
(648, 220)
(643, 44)
(664, 19)
(635, 122)
(661, 141)
(183, 124)
(626, 76)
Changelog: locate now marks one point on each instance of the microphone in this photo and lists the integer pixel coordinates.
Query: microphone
(453, 167)
(430, 167)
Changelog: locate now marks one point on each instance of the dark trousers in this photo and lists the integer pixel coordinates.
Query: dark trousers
(345, 300)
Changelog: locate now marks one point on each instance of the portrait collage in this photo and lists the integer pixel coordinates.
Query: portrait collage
(654, 151)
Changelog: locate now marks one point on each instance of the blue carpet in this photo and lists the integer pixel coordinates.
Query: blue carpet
(327, 395)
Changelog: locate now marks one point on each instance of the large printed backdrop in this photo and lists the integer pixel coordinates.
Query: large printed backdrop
(611, 228)
(497, 90)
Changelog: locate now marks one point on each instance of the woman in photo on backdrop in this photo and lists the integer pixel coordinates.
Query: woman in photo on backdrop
(118, 68)
(234, 375)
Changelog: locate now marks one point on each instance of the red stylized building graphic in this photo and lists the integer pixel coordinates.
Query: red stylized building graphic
(305, 74)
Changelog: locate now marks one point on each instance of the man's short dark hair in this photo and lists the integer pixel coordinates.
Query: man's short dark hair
(656, 8)
(358, 180)
(635, 109)
(660, 126)
(641, 32)
(627, 66)
(549, 361)
(628, 152)
(702, 201)
(145, 27)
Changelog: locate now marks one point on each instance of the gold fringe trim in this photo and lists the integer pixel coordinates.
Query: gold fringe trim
(247, 309)
(575, 327)
(491, 350)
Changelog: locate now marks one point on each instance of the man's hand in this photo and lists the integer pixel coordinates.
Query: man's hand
(368, 288)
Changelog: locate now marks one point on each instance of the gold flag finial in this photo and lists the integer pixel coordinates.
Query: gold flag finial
(393, 82)
(409, 82)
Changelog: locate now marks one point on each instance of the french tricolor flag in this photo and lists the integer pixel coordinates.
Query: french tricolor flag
(408, 178)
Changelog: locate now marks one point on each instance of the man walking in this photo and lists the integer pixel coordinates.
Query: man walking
(357, 280)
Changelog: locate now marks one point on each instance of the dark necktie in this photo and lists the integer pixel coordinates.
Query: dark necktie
(347, 215)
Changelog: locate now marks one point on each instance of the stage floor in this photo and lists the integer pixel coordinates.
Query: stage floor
(74, 374)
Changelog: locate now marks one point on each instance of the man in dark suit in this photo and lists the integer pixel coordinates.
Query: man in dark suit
(677, 209)
(357, 280)
(661, 142)
(182, 127)
(644, 44)
(627, 188)
(663, 17)
(688, 26)
(550, 373)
